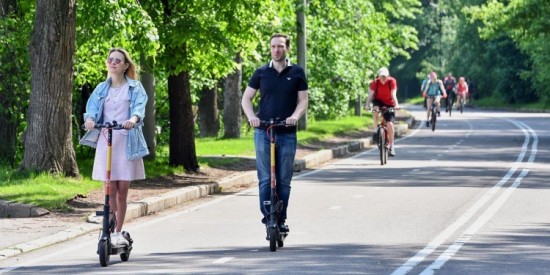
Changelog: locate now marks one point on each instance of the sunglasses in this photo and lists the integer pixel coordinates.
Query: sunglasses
(112, 60)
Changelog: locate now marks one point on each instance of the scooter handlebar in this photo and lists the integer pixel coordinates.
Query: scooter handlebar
(113, 125)
(273, 122)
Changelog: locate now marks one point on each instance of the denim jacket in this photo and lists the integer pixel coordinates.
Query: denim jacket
(136, 147)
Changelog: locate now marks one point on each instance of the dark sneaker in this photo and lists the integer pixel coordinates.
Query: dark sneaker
(427, 124)
(438, 113)
(283, 228)
(392, 152)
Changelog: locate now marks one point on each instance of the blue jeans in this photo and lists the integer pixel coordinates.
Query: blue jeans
(285, 151)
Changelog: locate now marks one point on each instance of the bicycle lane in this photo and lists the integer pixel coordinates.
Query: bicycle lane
(465, 227)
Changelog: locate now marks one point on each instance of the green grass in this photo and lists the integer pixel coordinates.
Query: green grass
(498, 102)
(52, 192)
(419, 100)
(45, 190)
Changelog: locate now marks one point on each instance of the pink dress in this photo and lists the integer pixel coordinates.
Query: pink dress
(116, 107)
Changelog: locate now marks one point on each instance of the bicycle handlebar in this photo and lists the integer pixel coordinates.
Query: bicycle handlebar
(383, 109)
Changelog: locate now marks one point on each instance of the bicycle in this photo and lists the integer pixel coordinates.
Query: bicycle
(433, 114)
(450, 102)
(382, 136)
(104, 247)
(275, 236)
(461, 104)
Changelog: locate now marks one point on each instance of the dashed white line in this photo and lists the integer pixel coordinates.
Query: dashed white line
(223, 260)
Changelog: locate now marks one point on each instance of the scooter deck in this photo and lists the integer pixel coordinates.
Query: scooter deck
(115, 250)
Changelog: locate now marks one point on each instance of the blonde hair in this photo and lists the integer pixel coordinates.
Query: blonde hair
(131, 72)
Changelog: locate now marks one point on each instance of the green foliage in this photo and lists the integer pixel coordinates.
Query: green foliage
(102, 25)
(526, 23)
(350, 42)
(15, 30)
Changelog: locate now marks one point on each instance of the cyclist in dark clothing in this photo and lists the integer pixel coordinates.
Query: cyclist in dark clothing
(449, 82)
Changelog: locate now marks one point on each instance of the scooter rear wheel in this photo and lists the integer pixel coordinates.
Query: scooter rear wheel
(272, 239)
(104, 248)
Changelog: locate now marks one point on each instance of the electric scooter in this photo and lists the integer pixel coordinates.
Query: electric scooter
(274, 235)
(104, 247)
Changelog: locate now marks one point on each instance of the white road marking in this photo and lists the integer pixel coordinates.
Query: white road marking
(223, 260)
(336, 207)
(358, 196)
(445, 234)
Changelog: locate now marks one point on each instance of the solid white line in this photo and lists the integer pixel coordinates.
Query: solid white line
(223, 260)
(443, 236)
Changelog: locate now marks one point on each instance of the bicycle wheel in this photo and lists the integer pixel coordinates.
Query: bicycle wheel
(382, 144)
(386, 148)
(451, 103)
(434, 118)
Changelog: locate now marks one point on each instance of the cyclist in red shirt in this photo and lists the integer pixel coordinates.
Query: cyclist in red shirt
(383, 93)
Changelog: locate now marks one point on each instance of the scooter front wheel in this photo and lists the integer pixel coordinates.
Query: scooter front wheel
(272, 239)
(103, 248)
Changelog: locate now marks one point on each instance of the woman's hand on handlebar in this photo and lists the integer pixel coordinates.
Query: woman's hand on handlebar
(89, 125)
(128, 124)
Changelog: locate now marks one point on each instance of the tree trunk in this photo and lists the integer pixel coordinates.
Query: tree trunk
(182, 128)
(358, 105)
(7, 135)
(48, 142)
(150, 127)
(232, 95)
(209, 123)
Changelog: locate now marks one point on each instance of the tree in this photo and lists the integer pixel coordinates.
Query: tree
(199, 44)
(209, 124)
(102, 25)
(48, 138)
(349, 41)
(526, 23)
(15, 28)
(232, 95)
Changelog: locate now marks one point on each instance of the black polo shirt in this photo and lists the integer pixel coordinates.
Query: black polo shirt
(278, 91)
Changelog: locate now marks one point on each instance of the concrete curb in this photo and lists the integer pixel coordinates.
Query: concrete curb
(9, 209)
(155, 204)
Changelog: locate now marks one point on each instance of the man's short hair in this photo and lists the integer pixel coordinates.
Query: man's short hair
(285, 36)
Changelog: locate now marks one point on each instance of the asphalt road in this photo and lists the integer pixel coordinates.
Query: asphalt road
(469, 198)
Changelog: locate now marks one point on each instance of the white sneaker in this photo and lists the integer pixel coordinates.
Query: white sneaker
(121, 241)
(114, 238)
(118, 240)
